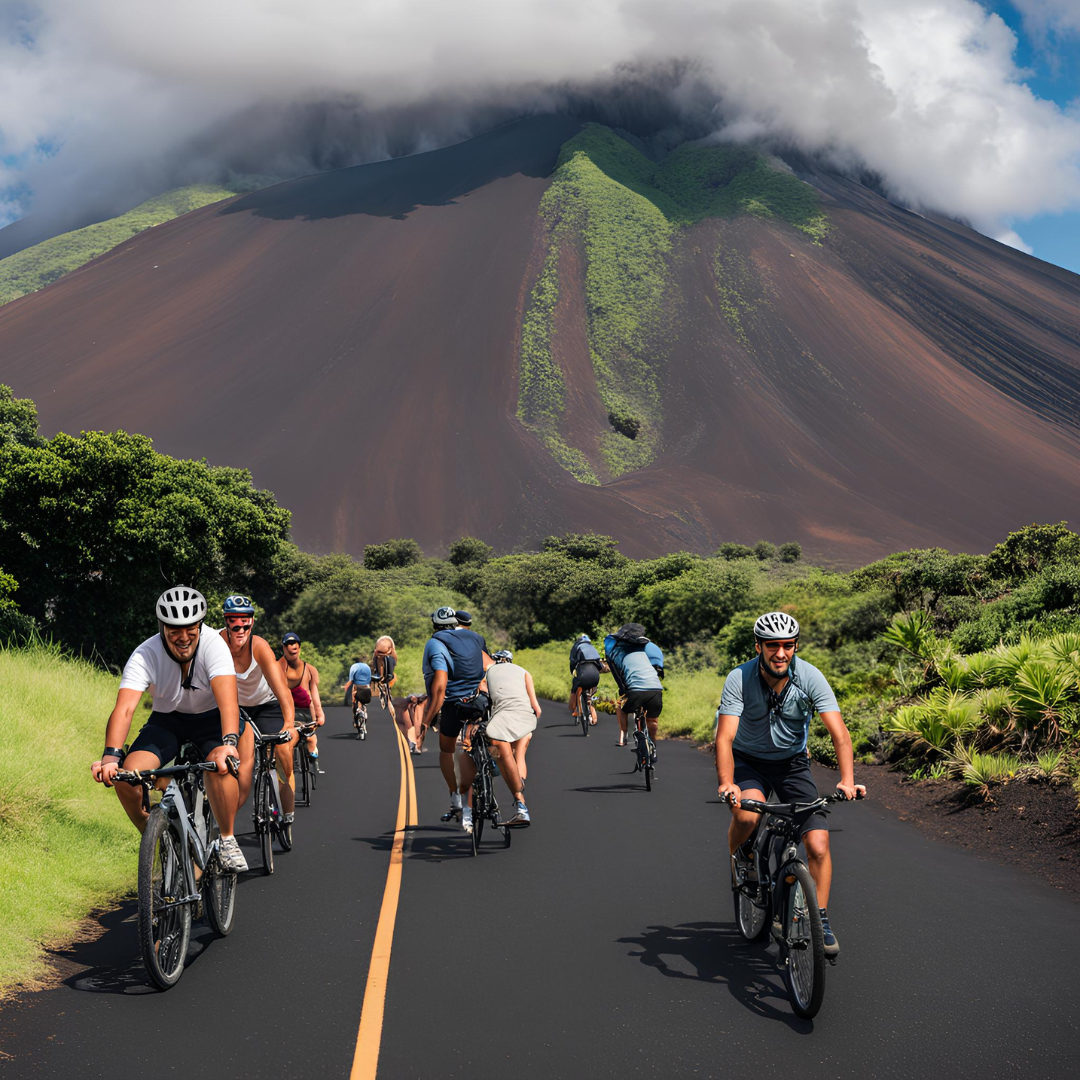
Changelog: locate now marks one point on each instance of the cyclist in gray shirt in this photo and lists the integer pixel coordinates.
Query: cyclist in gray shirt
(762, 728)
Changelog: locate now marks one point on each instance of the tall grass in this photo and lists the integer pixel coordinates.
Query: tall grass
(66, 846)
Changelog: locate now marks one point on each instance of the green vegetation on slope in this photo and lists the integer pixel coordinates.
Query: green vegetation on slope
(66, 846)
(41, 265)
(625, 212)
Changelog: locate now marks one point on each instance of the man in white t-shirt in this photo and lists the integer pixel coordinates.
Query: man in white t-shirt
(194, 686)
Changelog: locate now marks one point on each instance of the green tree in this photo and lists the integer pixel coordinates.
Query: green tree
(593, 546)
(403, 552)
(921, 577)
(732, 551)
(94, 528)
(764, 551)
(1030, 549)
(468, 551)
(18, 419)
(345, 603)
(790, 552)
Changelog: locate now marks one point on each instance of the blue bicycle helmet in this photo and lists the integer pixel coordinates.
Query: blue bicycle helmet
(238, 605)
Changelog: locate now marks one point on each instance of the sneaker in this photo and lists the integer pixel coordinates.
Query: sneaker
(289, 818)
(832, 946)
(412, 747)
(521, 817)
(466, 818)
(455, 807)
(232, 858)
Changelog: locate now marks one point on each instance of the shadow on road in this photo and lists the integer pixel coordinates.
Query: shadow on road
(614, 789)
(717, 953)
(446, 843)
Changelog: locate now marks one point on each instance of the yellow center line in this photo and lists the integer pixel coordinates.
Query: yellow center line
(369, 1037)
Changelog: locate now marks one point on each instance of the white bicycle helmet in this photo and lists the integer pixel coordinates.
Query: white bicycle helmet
(503, 656)
(444, 617)
(181, 606)
(776, 626)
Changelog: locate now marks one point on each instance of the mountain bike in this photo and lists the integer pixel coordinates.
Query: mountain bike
(585, 707)
(303, 763)
(644, 747)
(485, 807)
(775, 891)
(359, 719)
(180, 871)
(266, 812)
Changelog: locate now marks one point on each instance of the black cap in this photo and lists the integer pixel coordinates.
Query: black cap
(463, 617)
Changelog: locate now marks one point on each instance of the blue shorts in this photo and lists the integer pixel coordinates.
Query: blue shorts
(788, 778)
(165, 733)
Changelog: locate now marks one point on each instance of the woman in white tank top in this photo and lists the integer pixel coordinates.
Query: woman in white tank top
(514, 713)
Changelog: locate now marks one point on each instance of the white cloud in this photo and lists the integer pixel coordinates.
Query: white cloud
(1050, 16)
(925, 92)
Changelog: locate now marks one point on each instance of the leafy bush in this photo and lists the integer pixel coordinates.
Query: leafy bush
(468, 551)
(393, 553)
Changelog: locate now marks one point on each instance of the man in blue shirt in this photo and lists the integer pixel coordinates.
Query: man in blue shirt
(454, 663)
(359, 684)
(585, 666)
(637, 679)
(761, 734)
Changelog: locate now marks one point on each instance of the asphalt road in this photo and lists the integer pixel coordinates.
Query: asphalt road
(599, 944)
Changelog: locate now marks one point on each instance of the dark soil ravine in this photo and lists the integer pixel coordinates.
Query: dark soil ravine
(1033, 825)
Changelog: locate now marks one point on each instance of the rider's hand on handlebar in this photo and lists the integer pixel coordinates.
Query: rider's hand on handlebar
(220, 755)
(731, 793)
(851, 791)
(104, 771)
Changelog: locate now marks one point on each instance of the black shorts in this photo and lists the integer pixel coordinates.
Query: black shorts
(267, 717)
(362, 694)
(587, 676)
(651, 701)
(788, 779)
(164, 733)
(454, 716)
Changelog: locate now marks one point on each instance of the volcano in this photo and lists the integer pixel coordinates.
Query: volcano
(550, 328)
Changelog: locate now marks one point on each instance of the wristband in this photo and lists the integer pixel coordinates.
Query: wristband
(113, 751)
(230, 740)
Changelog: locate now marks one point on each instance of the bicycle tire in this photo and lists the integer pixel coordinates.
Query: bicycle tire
(284, 831)
(300, 768)
(358, 724)
(804, 964)
(262, 822)
(218, 884)
(583, 708)
(479, 809)
(752, 920)
(313, 771)
(164, 932)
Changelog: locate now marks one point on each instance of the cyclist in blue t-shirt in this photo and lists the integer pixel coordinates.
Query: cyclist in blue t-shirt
(761, 733)
(359, 684)
(636, 677)
(454, 664)
(585, 665)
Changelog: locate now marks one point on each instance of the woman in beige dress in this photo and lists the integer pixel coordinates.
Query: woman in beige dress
(514, 712)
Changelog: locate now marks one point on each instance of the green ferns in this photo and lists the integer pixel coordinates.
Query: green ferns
(41, 265)
(625, 213)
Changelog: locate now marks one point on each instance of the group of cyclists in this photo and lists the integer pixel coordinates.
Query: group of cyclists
(200, 679)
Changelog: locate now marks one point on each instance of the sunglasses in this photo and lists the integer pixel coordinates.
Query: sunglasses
(239, 622)
(776, 646)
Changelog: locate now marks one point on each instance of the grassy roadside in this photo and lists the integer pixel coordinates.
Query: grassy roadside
(66, 847)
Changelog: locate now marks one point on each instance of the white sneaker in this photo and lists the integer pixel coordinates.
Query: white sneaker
(289, 818)
(466, 818)
(232, 858)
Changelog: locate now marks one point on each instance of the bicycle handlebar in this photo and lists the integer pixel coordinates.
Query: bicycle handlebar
(756, 806)
(147, 776)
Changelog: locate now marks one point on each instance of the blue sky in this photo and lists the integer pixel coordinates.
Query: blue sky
(1054, 67)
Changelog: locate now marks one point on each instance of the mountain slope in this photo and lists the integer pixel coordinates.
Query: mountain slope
(545, 330)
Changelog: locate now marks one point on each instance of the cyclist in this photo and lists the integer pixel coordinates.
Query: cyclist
(514, 713)
(454, 663)
(303, 682)
(408, 714)
(764, 720)
(262, 690)
(384, 660)
(358, 688)
(585, 667)
(194, 701)
(636, 677)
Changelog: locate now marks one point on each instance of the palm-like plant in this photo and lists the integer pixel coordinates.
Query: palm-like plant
(1043, 697)
(913, 632)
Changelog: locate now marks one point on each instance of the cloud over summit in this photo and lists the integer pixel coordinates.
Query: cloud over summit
(117, 99)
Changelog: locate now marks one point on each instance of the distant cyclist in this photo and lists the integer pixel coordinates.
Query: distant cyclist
(303, 680)
(262, 690)
(359, 685)
(454, 663)
(585, 666)
(636, 677)
(194, 701)
(514, 712)
(764, 720)
(384, 660)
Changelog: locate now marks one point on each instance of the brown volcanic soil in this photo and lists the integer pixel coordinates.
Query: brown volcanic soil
(352, 338)
(1029, 824)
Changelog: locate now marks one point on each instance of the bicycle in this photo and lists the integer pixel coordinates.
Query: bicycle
(485, 807)
(304, 768)
(266, 812)
(384, 697)
(584, 714)
(644, 747)
(776, 892)
(180, 871)
(359, 719)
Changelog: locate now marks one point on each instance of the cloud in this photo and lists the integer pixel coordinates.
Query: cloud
(1049, 17)
(129, 97)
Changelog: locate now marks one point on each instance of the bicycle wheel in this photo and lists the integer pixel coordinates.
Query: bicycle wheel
(283, 830)
(751, 919)
(478, 811)
(313, 770)
(358, 723)
(804, 942)
(164, 924)
(218, 884)
(300, 770)
(583, 708)
(262, 821)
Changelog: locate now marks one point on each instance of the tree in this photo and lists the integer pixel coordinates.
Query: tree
(468, 551)
(764, 550)
(95, 528)
(18, 419)
(343, 605)
(790, 552)
(1032, 548)
(393, 553)
(592, 546)
(732, 551)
